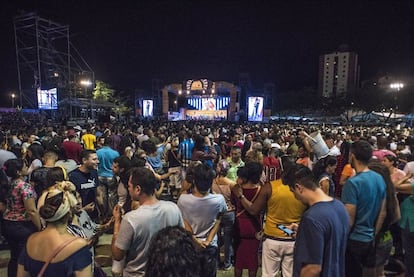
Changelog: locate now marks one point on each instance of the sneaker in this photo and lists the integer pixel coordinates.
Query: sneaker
(227, 268)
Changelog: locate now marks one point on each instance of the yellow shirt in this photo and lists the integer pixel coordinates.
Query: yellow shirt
(282, 208)
(89, 141)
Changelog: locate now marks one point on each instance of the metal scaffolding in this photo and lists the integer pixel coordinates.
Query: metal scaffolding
(47, 59)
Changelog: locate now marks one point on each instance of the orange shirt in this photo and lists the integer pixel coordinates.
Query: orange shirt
(348, 171)
(303, 161)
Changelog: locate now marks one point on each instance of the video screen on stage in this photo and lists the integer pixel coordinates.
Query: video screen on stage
(255, 109)
(47, 99)
(217, 103)
(209, 104)
(147, 108)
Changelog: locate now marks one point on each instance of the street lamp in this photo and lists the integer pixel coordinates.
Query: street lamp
(12, 97)
(396, 87)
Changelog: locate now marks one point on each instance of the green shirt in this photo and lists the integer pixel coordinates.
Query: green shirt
(407, 212)
(232, 173)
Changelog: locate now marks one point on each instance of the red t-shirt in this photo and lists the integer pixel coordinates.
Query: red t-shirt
(271, 167)
(72, 150)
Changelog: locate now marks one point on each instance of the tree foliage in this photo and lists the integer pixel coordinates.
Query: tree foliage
(103, 92)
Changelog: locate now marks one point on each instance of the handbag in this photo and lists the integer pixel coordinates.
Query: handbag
(55, 252)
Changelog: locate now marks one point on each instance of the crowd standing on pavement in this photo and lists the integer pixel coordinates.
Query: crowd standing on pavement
(261, 191)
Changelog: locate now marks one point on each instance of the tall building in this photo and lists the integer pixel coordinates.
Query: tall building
(338, 73)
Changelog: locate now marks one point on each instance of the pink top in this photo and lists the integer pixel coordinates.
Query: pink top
(19, 191)
(397, 175)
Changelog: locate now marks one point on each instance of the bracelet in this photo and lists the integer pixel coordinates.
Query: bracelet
(241, 196)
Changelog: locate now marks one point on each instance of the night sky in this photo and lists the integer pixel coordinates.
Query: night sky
(128, 43)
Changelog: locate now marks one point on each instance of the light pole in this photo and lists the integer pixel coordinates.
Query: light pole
(86, 84)
(396, 87)
(12, 97)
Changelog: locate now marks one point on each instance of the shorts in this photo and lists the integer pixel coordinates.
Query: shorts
(383, 249)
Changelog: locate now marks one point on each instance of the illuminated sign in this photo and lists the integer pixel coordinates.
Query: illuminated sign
(201, 84)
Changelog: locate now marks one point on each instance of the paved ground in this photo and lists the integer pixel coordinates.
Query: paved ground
(102, 257)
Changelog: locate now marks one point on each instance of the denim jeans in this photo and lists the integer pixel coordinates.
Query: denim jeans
(16, 233)
(106, 196)
(227, 224)
(208, 260)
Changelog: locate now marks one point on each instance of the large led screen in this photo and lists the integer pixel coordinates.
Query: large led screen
(47, 99)
(209, 104)
(147, 108)
(255, 109)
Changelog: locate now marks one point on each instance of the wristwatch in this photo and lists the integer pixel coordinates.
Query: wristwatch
(241, 196)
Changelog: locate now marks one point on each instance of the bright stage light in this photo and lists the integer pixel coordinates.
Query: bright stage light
(397, 85)
(85, 82)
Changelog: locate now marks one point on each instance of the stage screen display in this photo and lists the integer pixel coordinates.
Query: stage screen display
(147, 108)
(47, 99)
(209, 104)
(255, 109)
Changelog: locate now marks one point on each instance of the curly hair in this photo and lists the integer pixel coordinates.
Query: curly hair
(252, 172)
(172, 253)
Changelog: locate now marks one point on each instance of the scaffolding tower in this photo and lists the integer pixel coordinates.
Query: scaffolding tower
(47, 59)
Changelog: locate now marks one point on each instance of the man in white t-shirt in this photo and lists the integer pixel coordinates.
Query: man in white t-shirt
(132, 235)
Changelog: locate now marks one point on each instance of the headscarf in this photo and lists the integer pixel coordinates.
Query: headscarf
(69, 200)
(223, 167)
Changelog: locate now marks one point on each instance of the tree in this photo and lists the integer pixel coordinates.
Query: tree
(103, 92)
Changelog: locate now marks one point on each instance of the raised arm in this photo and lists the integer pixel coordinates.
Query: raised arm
(259, 204)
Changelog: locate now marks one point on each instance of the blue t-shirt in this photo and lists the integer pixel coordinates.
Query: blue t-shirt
(156, 161)
(75, 262)
(366, 191)
(321, 238)
(106, 156)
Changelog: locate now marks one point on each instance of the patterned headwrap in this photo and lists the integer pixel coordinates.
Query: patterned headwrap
(69, 199)
(223, 167)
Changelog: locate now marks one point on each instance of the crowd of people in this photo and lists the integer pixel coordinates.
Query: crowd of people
(172, 194)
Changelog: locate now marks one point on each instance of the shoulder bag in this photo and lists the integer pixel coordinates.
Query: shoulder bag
(55, 252)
